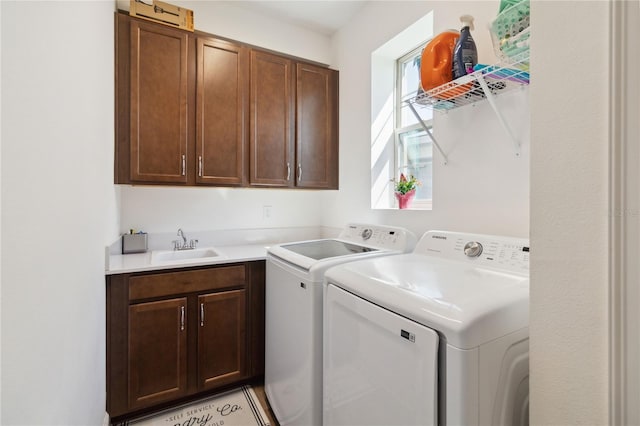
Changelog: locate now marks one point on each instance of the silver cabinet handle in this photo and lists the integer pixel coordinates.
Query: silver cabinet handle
(201, 314)
(288, 171)
(299, 172)
(184, 164)
(200, 165)
(181, 318)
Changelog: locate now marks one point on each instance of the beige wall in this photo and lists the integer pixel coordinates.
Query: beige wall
(569, 212)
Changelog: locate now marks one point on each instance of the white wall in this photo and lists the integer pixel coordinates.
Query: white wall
(238, 20)
(158, 209)
(485, 187)
(230, 19)
(58, 209)
(161, 209)
(569, 212)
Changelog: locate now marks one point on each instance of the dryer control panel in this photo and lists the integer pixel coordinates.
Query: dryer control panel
(484, 250)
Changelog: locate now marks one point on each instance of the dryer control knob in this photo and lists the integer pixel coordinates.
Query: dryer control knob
(366, 233)
(473, 249)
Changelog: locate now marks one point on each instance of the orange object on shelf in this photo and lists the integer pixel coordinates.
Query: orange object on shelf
(436, 64)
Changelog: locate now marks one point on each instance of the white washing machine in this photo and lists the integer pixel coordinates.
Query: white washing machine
(435, 337)
(293, 318)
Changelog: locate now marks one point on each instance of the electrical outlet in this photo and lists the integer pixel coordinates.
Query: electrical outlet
(266, 212)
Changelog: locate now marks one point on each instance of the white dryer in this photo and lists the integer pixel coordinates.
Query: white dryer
(293, 317)
(435, 337)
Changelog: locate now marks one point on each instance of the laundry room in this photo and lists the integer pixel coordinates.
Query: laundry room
(138, 252)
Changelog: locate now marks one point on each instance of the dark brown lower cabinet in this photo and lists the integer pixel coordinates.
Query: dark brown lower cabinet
(184, 333)
(221, 338)
(157, 351)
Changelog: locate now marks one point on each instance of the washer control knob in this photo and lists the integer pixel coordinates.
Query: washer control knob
(473, 249)
(366, 233)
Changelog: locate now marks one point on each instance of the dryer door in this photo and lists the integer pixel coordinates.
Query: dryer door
(379, 368)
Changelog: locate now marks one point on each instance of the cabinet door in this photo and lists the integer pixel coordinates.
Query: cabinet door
(256, 317)
(222, 100)
(316, 127)
(158, 110)
(157, 352)
(222, 343)
(271, 162)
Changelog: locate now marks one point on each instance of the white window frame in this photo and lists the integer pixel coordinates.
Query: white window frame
(417, 204)
(382, 103)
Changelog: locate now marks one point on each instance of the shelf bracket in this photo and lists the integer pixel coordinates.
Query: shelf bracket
(503, 122)
(426, 129)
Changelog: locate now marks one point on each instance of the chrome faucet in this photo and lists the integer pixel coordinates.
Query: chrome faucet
(181, 234)
(177, 245)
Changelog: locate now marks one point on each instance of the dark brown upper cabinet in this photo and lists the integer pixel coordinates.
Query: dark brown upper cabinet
(153, 120)
(294, 123)
(194, 109)
(222, 97)
(272, 102)
(316, 127)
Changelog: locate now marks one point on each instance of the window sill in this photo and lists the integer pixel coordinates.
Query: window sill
(422, 206)
(419, 205)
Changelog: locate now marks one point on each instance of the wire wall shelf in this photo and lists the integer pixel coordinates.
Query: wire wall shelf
(488, 81)
(485, 83)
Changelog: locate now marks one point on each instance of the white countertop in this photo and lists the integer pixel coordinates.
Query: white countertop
(232, 245)
(141, 262)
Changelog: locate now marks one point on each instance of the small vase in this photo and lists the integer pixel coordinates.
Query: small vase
(404, 200)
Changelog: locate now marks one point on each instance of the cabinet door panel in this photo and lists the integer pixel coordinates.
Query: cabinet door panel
(221, 104)
(316, 127)
(157, 352)
(168, 284)
(271, 120)
(222, 338)
(158, 104)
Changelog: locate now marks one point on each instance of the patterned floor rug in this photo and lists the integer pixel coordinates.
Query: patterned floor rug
(239, 407)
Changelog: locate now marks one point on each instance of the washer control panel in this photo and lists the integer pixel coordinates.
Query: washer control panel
(484, 250)
(378, 236)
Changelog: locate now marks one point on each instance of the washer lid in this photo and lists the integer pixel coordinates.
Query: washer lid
(322, 249)
(316, 256)
(468, 304)
(355, 241)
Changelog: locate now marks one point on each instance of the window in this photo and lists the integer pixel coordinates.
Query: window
(399, 144)
(413, 146)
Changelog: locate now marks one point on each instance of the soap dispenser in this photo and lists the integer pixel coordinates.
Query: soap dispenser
(465, 53)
